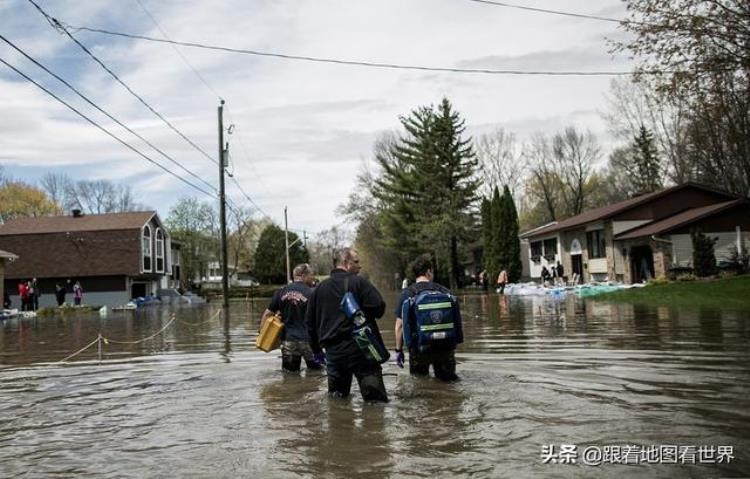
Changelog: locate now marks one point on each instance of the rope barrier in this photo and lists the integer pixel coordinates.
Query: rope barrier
(189, 323)
(104, 340)
(107, 340)
(98, 338)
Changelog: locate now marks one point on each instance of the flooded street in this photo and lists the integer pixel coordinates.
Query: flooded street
(198, 400)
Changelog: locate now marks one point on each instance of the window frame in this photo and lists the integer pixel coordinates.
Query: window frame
(596, 245)
(146, 249)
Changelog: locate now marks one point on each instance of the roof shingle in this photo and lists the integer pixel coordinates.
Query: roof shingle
(64, 224)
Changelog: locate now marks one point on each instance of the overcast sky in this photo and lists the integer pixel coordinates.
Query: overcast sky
(302, 129)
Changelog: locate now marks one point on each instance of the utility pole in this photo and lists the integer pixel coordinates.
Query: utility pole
(286, 242)
(304, 237)
(223, 210)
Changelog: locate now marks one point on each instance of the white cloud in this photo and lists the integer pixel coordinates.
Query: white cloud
(306, 126)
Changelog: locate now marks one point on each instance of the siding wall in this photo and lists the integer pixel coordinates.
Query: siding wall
(682, 246)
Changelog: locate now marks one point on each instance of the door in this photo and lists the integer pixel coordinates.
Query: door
(641, 264)
(577, 261)
(138, 290)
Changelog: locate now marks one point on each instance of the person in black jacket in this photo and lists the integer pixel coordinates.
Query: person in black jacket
(330, 329)
(291, 303)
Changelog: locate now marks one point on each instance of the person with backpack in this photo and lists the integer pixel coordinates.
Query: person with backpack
(341, 318)
(291, 303)
(428, 324)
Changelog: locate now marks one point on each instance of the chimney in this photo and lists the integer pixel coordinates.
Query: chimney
(77, 213)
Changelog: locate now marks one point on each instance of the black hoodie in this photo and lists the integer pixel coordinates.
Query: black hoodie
(326, 323)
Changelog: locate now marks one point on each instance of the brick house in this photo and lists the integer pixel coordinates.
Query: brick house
(642, 237)
(115, 256)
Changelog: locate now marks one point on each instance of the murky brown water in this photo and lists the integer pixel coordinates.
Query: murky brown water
(200, 401)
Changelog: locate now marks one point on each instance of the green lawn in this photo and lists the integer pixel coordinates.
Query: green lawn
(729, 293)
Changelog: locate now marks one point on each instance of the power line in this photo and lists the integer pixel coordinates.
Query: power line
(177, 50)
(553, 12)
(392, 66)
(123, 142)
(87, 100)
(260, 210)
(212, 90)
(59, 26)
(245, 153)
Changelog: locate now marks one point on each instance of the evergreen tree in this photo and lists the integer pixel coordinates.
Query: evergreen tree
(646, 168)
(492, 248)
(428, 188)
(704, 258)
(488, 238)
(270, 255)
(512, 244)
(499, 222)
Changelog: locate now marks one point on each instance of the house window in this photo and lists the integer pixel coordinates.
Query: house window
(596, 244)
(159, 251)
(536, 251)
(146, 247)
(550, 249)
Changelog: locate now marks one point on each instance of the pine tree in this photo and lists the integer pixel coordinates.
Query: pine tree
(428, 187)
(488, 239)
(498, 246)
(704, 258)
(646, 165)
(513, 256)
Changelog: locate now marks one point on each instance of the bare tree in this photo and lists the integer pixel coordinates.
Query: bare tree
(632, 105)
(544, 185)
(500, 162)
(698, 51)
(243, 236)
(575, 155)
(59, 187)
(560, 173)
(323, 248)
(93, 197)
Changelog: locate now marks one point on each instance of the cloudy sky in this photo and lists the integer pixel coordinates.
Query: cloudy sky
(302, 129)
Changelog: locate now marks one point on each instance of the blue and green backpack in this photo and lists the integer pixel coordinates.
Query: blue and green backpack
(429, 319)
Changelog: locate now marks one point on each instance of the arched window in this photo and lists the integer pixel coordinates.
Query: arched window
(146, 247)
(159, 251)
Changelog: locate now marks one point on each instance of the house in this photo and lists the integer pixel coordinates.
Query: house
(642, 237)
(5, 257)
(115, 256)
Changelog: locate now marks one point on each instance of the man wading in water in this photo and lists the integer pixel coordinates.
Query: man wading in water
(428, 320)
(330, 328)
(291, 301)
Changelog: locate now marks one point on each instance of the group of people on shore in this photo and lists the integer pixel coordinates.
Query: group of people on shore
(334, 326)
(29, 293)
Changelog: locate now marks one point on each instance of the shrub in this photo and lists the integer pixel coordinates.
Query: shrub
(704, 258)
(686, 277)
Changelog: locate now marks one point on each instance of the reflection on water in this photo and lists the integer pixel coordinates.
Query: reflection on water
(199, 400)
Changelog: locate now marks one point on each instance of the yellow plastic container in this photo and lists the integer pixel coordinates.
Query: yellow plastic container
(269, 337)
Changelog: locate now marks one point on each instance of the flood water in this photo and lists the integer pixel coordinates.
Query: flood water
(198, 400)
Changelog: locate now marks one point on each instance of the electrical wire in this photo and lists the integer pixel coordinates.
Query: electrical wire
(553, 12)
(179, 53)
(87, 100)
(212, 90)
(97, 125)
(61, 28)
(393, 66)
